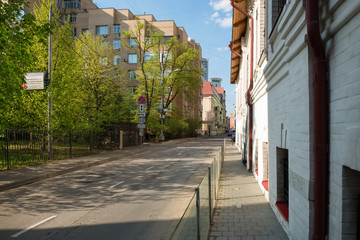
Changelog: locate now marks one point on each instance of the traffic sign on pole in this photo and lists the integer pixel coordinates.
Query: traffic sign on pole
(141, 107)
(141, 100)
(141, 132)
(141, 125)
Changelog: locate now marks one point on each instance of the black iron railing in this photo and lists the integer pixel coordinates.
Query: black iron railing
(30, 147)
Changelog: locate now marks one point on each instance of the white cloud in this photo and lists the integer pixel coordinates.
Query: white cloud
(224, 22)
(224, 18)
(221, 5)
(215, 15)
(222, 49)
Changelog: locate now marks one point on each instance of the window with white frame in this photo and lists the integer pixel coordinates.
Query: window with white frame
(72, 4)
(72, 17)
(117, 43)
(148, 56)
(132, 58)
(132, 42)
(116, 28)
(132, 89)
(103, 61)
(132, 75)
(102, 30)
(117, 60)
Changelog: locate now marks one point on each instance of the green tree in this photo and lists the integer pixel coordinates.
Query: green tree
(181, 68)
(18, 32)
(98, 81)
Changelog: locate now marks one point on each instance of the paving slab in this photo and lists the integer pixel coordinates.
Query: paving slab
(242, 211)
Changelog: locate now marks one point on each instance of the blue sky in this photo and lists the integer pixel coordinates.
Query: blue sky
(208, 22)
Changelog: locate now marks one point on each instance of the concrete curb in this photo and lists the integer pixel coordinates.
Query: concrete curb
(28, 181)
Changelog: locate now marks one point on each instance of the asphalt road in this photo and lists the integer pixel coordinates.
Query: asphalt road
(142, 197)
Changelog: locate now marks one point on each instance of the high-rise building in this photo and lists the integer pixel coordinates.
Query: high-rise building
(205, 68)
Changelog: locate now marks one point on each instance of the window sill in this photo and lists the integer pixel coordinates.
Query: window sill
(283, 208)
(265, 184)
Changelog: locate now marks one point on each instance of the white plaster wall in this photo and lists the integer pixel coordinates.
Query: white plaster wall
(288, 97)
(343, 50)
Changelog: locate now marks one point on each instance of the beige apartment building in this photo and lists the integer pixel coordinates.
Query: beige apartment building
(110, 23)
(214, 111)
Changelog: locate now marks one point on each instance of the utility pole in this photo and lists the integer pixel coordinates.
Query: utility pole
(50, 136)
(162, 137)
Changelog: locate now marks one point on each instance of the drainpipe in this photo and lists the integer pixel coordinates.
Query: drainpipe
(232, 50)
(248, 96)
(321, 122)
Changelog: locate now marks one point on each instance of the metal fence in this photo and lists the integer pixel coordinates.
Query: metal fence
(196, 221)
(30, 147)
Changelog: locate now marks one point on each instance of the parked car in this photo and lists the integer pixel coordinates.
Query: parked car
(230, 132)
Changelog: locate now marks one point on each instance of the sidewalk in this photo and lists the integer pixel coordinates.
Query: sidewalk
(242, 211)
(14, 178)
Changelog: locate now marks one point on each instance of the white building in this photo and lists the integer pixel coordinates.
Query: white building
(303, 117)
(216, 81)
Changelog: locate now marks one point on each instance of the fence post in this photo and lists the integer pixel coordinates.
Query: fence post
(7, 150)
(121, 140)
(91, 141)
(198, 211)
(70, 142)
(210, 207)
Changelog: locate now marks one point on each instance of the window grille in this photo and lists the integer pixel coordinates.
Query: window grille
(277, 6)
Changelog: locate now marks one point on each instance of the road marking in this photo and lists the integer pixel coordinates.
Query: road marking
(149, 168)
(116, 184)
(33, 226)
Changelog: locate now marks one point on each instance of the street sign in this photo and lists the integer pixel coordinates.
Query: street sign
(141, 125)
(141, 120)
(35, 81)
(141, 132)
(141, 114)
(141, 100)
(141, 107)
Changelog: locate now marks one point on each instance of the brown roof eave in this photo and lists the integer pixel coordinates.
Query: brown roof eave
(238, 30)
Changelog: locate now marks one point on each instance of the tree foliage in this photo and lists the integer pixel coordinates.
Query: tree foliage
(85, 85)
(98, 81)
(180, 69)
(18, 32)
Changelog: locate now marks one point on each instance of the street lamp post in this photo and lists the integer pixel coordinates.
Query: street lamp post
(162, 137)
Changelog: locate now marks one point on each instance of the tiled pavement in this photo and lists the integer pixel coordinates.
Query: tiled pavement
(242, 211)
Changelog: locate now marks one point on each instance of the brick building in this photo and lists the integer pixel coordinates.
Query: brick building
(300, 128)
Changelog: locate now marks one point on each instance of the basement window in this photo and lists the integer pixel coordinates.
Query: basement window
(277, 7)
(282, 156)
(351, 204)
